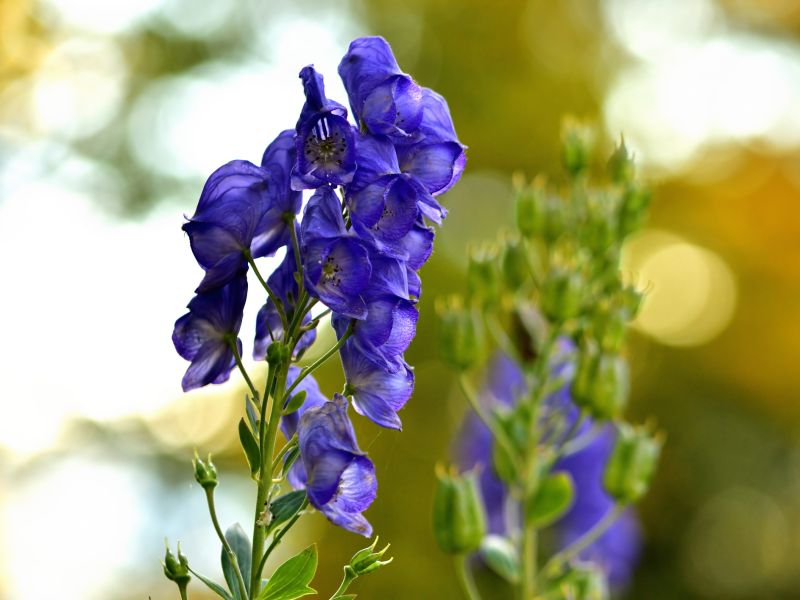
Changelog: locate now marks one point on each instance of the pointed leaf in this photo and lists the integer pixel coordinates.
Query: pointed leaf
(295, 403)
(291, 579)
(240, 544)
(251, 413)
(283, 508)
(553, 498)
(214, 587)
(250, 447)
(290, 459)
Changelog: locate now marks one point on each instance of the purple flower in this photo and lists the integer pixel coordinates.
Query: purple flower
(324, 141)
(268, 320)
(384, 100)
(336, 264)
(378, 393)
(204, 335)
(241, 209)
(339, 478)
(314, 399)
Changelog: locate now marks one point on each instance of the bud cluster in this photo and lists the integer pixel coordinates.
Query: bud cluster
(543, 323)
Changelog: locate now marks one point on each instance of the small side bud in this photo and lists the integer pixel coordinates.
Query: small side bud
(483, 275)
(368, 560)
(462, 340)
(459, 519)
(621, 167)
(610, 324)
(529, 208)
(633, 209)
(277, 354)
(205, 472)
(562, 294)
(633, 462)
(577, 143)
(601, 383)
(514, 264)
(176, 569)
(581, 582)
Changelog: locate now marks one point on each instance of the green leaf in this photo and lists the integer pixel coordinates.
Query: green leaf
(291, 579)
(252, 417)
(214, 587)
(284, 508)
(290, 459)
(240, 544)
(345, 597)
(501, 556)
(553, 498)
(295, 403)
(250, 447)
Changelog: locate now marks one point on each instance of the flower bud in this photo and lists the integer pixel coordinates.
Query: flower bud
(610, 324)
(561, 294)
(632, 464)
(205, 472)
(514, 264)
(462, 342)
(577, 141)
(579, 582)
(277, 354)
(367, 560)
(176, 569)
(633, 209)
(620, 165)
(601, 383)
(483, 276)
(529, 208)
(459, 519)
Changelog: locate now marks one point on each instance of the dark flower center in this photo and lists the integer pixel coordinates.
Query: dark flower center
(330, 272)
(324, 147)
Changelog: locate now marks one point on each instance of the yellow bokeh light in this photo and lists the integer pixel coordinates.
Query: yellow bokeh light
(691, 291)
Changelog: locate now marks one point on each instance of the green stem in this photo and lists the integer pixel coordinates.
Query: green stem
(586, 540)
(297, 257)
(225, 546)
(289, 445)
(465, 578)
(184, 593)
(275, 300)
(242, 370)
(279, 536)
(320, 361)
(349, 577)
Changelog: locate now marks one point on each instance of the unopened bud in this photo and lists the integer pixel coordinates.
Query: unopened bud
(562, 294)
(459, 518)
(601, 383)
(483, 276)
(205, 472)
(529, 208)
(579, 582)
(514, 264)
(620, 165)
(632, 464)
(462, 341)
(577, 142)
(277, 354)
(176, 569)
(633, 209)
(368, 560)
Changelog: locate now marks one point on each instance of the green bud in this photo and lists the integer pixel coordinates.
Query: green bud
(620, 165)
(610, 324)
(368, 560)
(529, 208)
(577, 142)
(500, 554)
(462, 340)
(562, 294)
(277, 354)
(601, 383)
(459, 519)
(176, 569)
(632, 298)
(483, 276)
(514, 264)
(579, 582)
(632, 464)
(633, 209)
(600, 230)
(205, 472)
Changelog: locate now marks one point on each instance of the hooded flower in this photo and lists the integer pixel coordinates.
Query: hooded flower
(324, 141)
(339, 478)
(241, 210)
(205, 334)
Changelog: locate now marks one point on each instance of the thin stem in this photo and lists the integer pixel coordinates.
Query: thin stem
(348, 578)
(242, 370)
(297, 257)
(501, 337)
(577, 444)
(231, 555)
(275, 300)
(488, 420)
(529, 552)
(465, 578)
(289, 445)
(586, 540)
(278, 536)
(320, 361)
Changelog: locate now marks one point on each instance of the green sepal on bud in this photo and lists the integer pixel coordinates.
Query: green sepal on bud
(368, 560)
(621, 167)
(602, 383)
(632, 464)
(462, 337)
(609, 324)
(514, 264)
(633, 209)
(278, 354)
(562, 294)
(176, 568)
(459, 517)
(483, 276)
(577, 143)
(205, 473)
(529, 211)
(579, 582)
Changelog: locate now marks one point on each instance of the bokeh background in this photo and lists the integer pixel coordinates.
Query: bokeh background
(113, 113)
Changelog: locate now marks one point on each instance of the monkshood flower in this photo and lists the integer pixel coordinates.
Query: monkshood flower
(206, 333)
(242, 210)
(617, 549)
(268, 321)
(378, 393)
(324, 141)
(340, 479)
(384, 100)
(336, 263)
